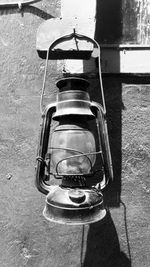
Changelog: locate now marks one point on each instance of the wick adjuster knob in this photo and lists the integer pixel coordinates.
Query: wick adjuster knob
(76, 196)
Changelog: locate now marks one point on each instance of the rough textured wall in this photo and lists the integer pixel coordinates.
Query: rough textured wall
(26, 239)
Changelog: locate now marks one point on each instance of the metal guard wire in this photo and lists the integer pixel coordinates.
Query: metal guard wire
(80, 154)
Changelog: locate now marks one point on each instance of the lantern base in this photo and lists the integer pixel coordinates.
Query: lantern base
(71, 217)
(74, 206)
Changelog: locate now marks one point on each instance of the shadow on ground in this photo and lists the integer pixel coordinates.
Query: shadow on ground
(103, 247)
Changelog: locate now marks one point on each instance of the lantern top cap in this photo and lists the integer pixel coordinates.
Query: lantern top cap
(73, 83)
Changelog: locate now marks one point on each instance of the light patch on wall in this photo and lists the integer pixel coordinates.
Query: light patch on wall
(78, 8)
(148, 7)
(81, 15)
(70, 66)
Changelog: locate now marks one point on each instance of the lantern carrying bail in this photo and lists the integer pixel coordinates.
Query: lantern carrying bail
(53, 52)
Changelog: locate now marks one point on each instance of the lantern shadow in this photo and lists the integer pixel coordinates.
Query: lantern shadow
(103, 247)
(109, 31)
(114, 107)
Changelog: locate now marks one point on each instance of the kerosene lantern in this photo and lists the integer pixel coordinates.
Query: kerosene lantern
(68, 153)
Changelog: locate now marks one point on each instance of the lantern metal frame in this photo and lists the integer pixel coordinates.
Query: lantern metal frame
(44, 139)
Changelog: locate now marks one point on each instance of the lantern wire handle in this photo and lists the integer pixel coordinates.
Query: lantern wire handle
(61, 39)
(44, 82)
(100, 79)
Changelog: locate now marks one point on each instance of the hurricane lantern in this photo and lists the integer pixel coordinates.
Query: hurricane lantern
(68, 155)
